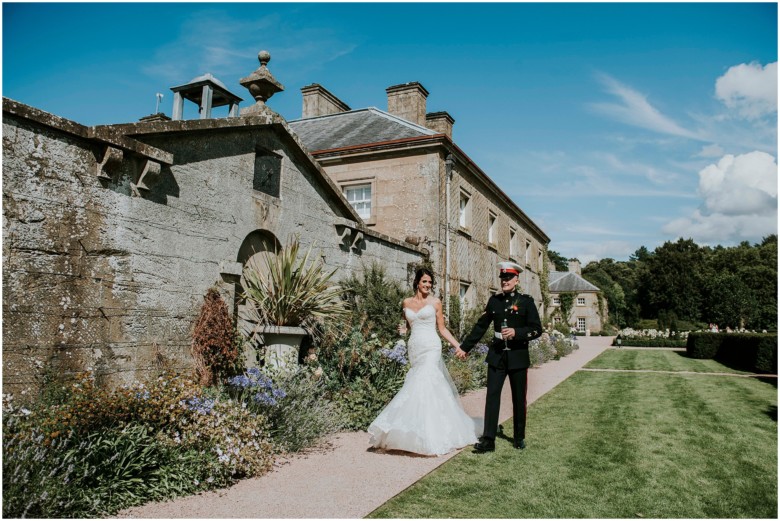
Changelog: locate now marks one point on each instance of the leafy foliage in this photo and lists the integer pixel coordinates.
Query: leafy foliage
(283, 290)
(376, 301)
(101, 450)
(731, 286)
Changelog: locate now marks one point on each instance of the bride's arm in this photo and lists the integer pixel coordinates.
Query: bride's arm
(443, 331)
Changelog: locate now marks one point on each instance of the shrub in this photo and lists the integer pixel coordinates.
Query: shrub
(294, 402)
(93, 475)
(102, 450)
(212, 340)
(749, 351)
(283, 290)
(470, 373)
(376, 302)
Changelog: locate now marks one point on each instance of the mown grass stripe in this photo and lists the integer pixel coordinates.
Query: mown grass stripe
(620, 445)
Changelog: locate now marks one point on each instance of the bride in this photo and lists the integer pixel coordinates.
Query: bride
(426, 416)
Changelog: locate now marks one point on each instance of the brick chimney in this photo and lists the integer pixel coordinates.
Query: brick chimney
(441, 122)
(319, 101)
(407, 101)
(574, 266)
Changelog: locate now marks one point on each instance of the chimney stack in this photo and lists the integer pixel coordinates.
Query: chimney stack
(574, 266)
(319, 101)
(407, 101)
(441, 122)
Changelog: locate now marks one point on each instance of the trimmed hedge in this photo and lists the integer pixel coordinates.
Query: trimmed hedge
(650, 342)
(750, 351)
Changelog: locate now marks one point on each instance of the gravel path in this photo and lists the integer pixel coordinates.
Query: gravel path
(347, 479)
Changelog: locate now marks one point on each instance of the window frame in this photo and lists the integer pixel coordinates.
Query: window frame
(464, 210)
(492, 228)
(361, 182)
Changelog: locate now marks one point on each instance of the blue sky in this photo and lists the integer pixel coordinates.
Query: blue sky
(613, 126)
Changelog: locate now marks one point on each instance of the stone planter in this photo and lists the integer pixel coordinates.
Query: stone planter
(281, 344)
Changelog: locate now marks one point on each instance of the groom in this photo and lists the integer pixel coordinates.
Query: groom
(515, 322)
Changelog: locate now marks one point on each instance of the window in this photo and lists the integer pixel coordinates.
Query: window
(556, 301)
(527, 252)
(512, 241)
(464, 296)
(539, 261)
(359, 196)
(580, 301)
(580, 323)
(464, 217)
(491, 228)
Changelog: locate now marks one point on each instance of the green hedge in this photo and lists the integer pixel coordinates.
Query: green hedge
(650, 342)
(750, 351)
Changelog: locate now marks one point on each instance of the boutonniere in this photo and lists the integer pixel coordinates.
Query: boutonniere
(514, 308)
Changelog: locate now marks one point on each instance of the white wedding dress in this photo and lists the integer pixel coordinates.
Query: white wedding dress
(426, 416)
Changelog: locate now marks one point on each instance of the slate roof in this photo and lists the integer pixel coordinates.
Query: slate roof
(561, 281)
(356, 127)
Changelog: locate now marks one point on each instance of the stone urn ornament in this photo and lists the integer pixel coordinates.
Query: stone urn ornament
(261, 84)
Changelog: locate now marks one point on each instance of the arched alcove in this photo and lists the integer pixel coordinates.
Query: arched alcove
(256, 242)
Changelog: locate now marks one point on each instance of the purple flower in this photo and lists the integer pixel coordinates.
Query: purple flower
(200, 405)
(397, 353)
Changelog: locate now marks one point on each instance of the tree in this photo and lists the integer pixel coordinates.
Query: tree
(732, 303)
(672, 279)
(560, 262)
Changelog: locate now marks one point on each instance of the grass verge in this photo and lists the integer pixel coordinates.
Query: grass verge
(621, 445)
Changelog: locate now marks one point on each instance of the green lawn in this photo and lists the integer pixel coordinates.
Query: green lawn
(621, 445)
(656, 360)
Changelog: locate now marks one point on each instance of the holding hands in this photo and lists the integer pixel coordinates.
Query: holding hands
(460, 353)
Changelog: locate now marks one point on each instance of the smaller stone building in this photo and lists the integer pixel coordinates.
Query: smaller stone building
(589, 309)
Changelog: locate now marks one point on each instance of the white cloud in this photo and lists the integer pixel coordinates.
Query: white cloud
(739, 201)
(711, 151)
(634, 109)
(750, 89)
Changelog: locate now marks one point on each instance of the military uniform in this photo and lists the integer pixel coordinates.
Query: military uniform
(506, 357)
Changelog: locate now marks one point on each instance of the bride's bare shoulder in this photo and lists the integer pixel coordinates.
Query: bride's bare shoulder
(435, 302)
(406, 302)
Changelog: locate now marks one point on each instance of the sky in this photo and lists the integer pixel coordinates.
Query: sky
(612, 126)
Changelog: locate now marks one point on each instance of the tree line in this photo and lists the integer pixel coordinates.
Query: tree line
(686, 285)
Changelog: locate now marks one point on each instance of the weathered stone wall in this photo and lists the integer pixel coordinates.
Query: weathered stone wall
(96, 277)
(404, 191)
(474, 258)
(408, 190)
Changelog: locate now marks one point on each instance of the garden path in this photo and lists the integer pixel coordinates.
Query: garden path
(346, 479)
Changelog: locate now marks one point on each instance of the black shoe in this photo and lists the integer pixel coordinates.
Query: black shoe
(519, 444)
(484, 445)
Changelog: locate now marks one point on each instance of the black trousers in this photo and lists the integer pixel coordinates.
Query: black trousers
(518, 381)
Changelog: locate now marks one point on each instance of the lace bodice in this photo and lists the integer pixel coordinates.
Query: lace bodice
(424, 344)
(422, 319)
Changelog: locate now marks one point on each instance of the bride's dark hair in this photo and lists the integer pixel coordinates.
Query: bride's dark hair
(419, 275)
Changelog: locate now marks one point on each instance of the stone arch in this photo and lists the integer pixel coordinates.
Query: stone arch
(256, 242)
(255, 246)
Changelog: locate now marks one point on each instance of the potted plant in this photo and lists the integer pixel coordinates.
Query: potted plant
(285, 296)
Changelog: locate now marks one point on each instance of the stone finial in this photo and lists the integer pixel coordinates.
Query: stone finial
(261, 84)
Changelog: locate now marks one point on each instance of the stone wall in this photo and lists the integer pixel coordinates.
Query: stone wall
(98, 274)
(475, 258)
